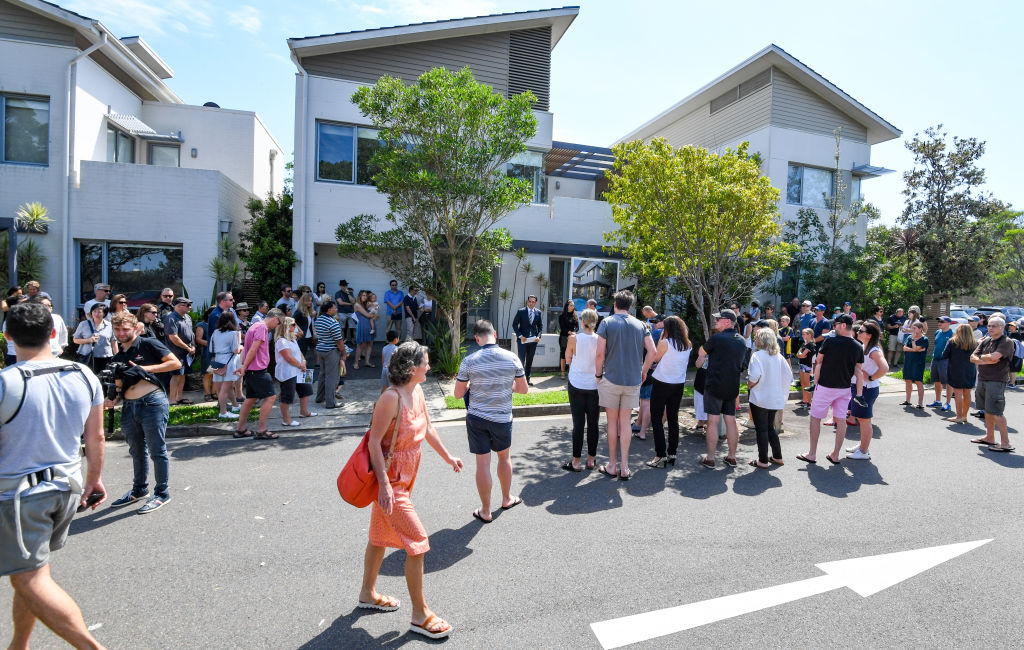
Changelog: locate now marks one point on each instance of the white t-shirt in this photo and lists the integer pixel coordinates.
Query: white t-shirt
(88, 307)
(284, 370)
(672, 367)
(773, 375)
(584, 362)
(60, 340)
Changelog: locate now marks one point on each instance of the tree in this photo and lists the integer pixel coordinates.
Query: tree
(445, 141)
(943, 204)
(708, 220)
(224, 269)
(265, 244)
(1007, 277)
(807, 236)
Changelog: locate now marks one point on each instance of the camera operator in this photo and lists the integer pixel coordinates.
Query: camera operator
(41, 472)
(145, 411)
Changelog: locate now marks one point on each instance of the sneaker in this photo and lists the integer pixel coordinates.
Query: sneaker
(152, 504)
(945, 407)
(859, 455)
(852, 449)
(228, 416)
(236, 409)
(934, 404)
(128, 498)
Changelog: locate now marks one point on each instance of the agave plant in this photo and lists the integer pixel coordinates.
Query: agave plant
(33, 217)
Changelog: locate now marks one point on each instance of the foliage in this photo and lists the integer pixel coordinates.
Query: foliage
(445, 141)
(445, 358)
(943, 205)
(807, 235)
(709, 220)
(33, 217)
(1005, 284)
(266, 243)
(30, 218)
(225, 269)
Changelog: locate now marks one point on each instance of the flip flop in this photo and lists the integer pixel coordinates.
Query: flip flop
(626, 476)
(422, 628)
(515, 502)
(184, 402)
(477, 515)
(1002, 450)
(980, 441)
(731, 462)
(806, 459)
(568, 466)
(638, 437)
(381, 604)
(829, 459)
(706, 462)
(604, 470)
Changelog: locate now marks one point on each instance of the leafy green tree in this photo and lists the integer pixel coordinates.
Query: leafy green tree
(708, 220)
(1006, 282)
(265, 244)
(445, 141)
(943, 203)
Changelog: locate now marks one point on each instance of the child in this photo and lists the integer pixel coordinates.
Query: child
(385, 358)
(808, 350)
(786, 335)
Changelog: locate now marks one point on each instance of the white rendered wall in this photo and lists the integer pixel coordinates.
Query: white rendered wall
(559, 186)
(96, 91)
(38, 69)
(268, 174)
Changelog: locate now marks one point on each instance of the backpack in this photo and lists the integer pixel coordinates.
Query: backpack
(14, 381)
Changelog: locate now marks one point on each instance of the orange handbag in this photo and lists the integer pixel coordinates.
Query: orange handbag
(357, 483)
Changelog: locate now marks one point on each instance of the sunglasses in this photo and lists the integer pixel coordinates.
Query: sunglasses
(122, 302)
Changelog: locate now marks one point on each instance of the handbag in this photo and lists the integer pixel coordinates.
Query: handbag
(87, 359)
(357, 483)
(216, 367)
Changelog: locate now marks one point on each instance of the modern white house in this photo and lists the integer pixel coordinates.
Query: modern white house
(140, 186)
(789, 114)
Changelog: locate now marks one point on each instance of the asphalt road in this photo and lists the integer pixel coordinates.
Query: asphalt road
(256, 550)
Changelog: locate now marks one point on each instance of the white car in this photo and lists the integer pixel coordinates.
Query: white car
(959, 316)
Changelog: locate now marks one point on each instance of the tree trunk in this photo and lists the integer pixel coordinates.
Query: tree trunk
(454, 316)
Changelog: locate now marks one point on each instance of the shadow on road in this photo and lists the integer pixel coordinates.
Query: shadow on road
(342, 634)
(222, 447)
(840, 480)
(103, 515)
(1010, 460)
(447, 547)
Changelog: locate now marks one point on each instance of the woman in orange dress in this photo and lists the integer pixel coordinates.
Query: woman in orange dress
(393, 520)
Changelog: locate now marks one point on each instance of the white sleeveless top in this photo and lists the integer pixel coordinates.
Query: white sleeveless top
(584, 362)
(672, 367)
(870, 366)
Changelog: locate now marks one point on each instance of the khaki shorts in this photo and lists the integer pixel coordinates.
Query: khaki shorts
(613, 396)
(895, 345)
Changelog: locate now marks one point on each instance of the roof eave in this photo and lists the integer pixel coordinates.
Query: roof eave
(558, 19)
(144, 52)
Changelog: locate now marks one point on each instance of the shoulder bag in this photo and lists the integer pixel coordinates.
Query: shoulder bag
(216, 367)
(88, 358)
(357, 483)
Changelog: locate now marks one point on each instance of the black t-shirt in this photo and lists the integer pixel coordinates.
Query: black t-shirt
(144, 351)
(792, 311)
(895, 322)
(726, 352)
(812, 351)
(842, 354)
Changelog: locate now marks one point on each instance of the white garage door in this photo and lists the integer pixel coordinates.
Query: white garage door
(330, 269)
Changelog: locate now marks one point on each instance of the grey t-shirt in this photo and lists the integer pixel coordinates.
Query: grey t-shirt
(104, 346)
(624, 349)
(47, 430)
(182, 326)
(490, 371)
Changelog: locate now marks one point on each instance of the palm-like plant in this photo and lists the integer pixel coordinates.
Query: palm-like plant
(904, 243)
(33, 217)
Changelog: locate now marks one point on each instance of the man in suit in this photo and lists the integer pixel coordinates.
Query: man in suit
(527, 324)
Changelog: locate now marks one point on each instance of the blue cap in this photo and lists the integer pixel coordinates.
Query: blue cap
(974, 319)
(819, 307)
(847, 303)
(945, 319)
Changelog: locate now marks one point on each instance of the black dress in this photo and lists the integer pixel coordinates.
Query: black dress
(961, 373)
(567, 324)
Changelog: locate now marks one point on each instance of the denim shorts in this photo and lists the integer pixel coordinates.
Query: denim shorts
(486, 436)
(940, 371)
(870, 395)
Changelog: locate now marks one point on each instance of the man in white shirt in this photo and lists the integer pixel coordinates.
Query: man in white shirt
(59, 339)
(102, 294)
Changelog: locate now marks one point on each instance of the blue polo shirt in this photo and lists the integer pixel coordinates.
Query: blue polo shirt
(393, 297)
(941, 338)
(820, 328)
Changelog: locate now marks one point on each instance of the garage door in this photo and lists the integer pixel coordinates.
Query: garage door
(330, 269)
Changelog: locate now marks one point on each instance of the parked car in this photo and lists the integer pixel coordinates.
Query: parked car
(959, 316)
(140, 298)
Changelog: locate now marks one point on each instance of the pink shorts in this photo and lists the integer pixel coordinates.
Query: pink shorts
(837, 398)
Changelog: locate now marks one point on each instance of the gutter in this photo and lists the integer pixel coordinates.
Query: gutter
(70, 83)
(299, 221)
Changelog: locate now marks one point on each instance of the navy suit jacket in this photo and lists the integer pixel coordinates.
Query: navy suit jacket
(522, 325)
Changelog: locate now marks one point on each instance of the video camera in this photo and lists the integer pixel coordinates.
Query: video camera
(108, 377)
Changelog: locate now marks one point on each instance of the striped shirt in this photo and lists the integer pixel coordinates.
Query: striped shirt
(490, 372)
(328, 331)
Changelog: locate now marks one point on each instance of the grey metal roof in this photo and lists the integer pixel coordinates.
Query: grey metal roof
(870, 171)
(137, 127)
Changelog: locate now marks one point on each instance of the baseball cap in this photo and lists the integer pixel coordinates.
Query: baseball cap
(974, 319)
(846, 319)
(847, 303)
(761, 323)
(945, 319)
(100, 285)
(806, 303)
(725, 313)
(819, 307)
(181, 300)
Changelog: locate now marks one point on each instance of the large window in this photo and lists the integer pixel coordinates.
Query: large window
(165, 155)
(25, 137)
(558, 275)
(809, 186)
(120, 146)
(137, 270)
(342, 150)
(529, 165)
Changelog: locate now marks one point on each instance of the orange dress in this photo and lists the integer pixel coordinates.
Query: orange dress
(402, 528)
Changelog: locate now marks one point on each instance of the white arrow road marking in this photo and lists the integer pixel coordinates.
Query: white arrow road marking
(866, 576)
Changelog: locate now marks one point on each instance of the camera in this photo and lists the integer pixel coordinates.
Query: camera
(109, 376)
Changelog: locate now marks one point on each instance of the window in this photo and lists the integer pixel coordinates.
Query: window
(529, 166)
(165, 155)
(120, 146)
(131, 269)
(809, 186)
(855, 190)
(335, 152)
(25, 137)
(558, 275)
(367, 145)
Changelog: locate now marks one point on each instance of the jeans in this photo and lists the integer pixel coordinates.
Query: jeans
(144, 423)
(584, 407)
(330, 374)
(665, 396)
(764, 424)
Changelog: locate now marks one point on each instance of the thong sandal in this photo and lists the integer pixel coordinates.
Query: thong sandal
(477, 515)
(266, 435)
(806, 459)
(383, 604)
(441, 629)
(569, 467)
(243, 434)
(604, 470)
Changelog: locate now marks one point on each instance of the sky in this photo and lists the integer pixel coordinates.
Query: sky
(915, 64)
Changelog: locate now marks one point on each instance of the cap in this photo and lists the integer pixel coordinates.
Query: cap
(845, 319)
(807, 303)
(847, 303)
(343, 283)
(725, 313)
(181, 300)
(945, 319)
(100, 285)
(242, 305)
(974, 319)
(762, 323)
(819, 307)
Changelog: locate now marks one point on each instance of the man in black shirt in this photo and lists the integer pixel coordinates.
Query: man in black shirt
(145, 410)
(839, 359)
(793, 311)
(893, 328)
(727, 357)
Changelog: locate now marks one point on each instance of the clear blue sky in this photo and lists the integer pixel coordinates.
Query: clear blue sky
(915, 64)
